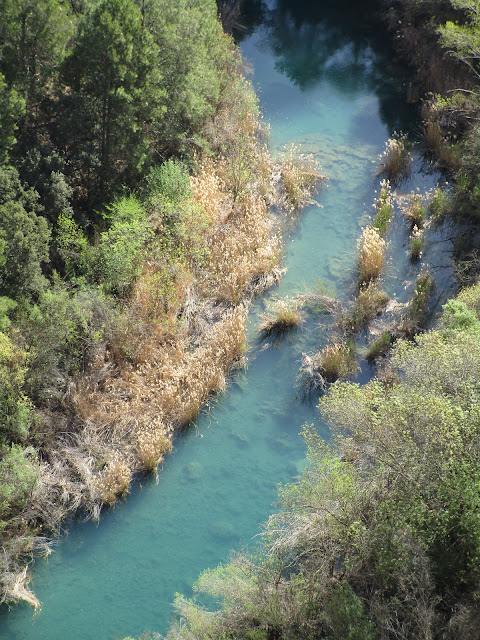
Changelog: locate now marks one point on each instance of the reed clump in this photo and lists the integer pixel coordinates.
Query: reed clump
(394, 162)
(283, 317)
(379, 347)
(383, 206)
(371, 255)
(415, 210)
(416, 244)
(440, 204)
(300, 176)
(153, 445)
(369, 303)
(337, 361)
(114, 481)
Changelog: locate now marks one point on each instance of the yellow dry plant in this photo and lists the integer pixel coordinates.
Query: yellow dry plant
(371, 255)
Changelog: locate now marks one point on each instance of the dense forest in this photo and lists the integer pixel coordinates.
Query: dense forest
(380, 538)
(134, 185)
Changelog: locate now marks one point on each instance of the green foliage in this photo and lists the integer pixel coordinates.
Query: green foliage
(109, 69)
(18, 475)
(7, 305)
(11, 109)
(26, 236)
(33, 37)
(63, 332)
(122, 247)
(179, 220)
(73, 247)
(169, 181)
(15, 410)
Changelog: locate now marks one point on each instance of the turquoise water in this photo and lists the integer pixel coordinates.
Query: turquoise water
(326, 83)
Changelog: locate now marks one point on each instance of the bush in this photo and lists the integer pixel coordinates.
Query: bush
(15, 409)
(18, 475)
(26, 238)
(63, 332)
(122, 247)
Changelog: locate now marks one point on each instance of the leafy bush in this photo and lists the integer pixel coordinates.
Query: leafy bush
(122, 247)
(63, 332)
(26, 238)
(18, 475)
(15, 409)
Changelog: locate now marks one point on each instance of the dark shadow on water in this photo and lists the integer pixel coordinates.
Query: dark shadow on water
(340, 41)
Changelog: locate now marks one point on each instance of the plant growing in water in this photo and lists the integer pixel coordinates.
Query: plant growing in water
(337, 360)
(371, 255)
(394, 162)
(383, 206)
(283, 316)
(369, 303)
(415, 211)
(416, 244)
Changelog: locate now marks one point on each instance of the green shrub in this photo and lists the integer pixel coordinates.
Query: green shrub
(122, 247)
(26, 237)
(18, 475)
(170, 181)
(63, 332)
(15, 409)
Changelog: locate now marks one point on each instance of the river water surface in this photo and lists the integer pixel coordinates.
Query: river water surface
(326, 81)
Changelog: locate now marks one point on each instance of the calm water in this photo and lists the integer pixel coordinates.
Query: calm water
(326, 83)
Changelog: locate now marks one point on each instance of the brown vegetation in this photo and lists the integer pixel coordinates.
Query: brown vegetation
(371, 255)
(283, 316)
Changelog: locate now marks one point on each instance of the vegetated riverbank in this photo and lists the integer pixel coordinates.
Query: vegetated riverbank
(380, 537)
(134, 231)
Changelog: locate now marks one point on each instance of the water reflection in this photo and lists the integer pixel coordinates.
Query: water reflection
(340, 41)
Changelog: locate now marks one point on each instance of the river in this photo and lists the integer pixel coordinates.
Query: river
(327, 81)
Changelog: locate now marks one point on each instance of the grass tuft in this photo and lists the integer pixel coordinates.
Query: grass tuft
(337, 361)
(379, 347)
(300, 177)
(371, 255)
(394, 162)
(383, 206)
(285, 316)
(369, 303)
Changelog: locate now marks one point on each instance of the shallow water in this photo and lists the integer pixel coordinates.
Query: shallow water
(326, 82)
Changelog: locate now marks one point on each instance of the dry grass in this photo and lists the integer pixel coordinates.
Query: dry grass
(394, 162)
(432, 134)
(115, 479)
(415, 210)
(300, 177)
(368, 304)
(152, 445)
(371, 255)
(416, 244)
(337, 361)
(284, 316)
